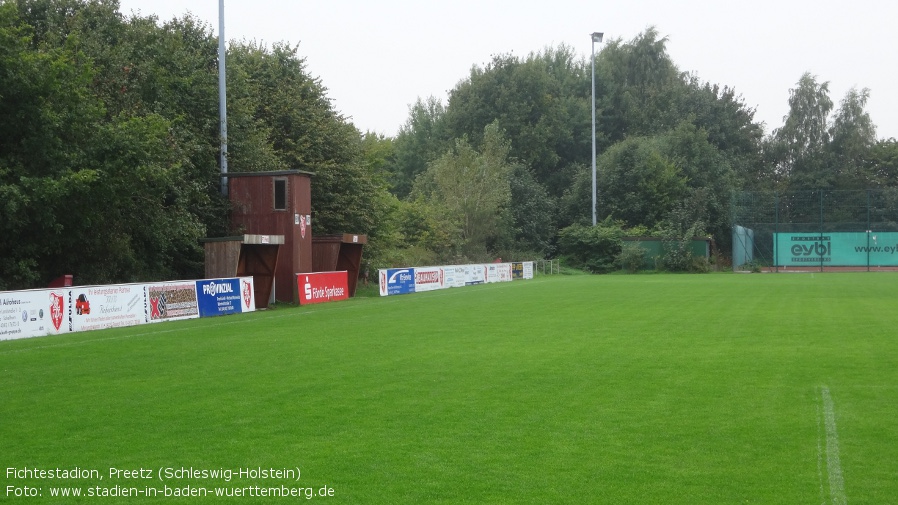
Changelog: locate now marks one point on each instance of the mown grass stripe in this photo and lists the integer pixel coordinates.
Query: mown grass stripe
(589, 389)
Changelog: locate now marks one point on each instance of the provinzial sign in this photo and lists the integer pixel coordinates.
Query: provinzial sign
(218, 297)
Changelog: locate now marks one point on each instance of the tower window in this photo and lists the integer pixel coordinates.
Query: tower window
(280, 194)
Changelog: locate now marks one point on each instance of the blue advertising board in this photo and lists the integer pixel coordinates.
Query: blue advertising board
(218, 297)
(397, 281)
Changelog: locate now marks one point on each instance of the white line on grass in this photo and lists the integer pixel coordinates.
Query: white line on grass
(833, 465)
(819, 447)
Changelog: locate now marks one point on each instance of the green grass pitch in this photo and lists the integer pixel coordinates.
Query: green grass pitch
(668, 389)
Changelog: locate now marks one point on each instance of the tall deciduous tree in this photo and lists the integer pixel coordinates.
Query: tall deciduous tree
(48, 123)
(420, 141)
(640, 90)
(730, 127)
(799, 146)
(533, 212)
(472, 191)
(541, 101)
(882, 163)
(852, 137)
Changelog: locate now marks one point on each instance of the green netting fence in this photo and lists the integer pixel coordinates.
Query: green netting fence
(816, 230)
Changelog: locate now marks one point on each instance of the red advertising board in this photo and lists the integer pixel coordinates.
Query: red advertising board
(319, 287)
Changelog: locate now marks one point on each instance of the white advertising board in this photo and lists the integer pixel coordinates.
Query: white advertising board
(528, 269)
(40, 312)
(98, 307)
(492, 273)
(504, 272)
(475, 274)
(455, 276)
(33, 313)
(429, 279)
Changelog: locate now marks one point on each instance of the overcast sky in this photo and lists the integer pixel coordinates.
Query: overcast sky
(377, 58)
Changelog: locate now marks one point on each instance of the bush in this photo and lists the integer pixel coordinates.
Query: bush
(677, 256)
(592, 248)
(700, 265)
(405, 257)
(631, 257)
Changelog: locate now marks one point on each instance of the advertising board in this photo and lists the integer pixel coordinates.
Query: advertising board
(99, 307)
(475, 274)
(32, 313)
(396, 281)
(248, 294)
(40, 312)
(217, 297)
(455, 276)
(528, 269)
(836, 249)
(504, 272)
(169, 301)
(429, 279)
(320, 287)
(522, 270)
(492, 273)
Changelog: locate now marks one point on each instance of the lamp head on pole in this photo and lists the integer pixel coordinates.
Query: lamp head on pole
(597, 36)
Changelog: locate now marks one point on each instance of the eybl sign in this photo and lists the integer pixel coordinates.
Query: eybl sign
(870, 248)
(811, 249)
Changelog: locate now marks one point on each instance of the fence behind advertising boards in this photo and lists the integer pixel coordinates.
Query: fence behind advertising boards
(816, 230)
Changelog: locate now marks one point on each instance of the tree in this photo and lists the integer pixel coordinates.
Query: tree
(139, 199)
(296, 127)
(638, 183)
(146, 68)
(730, 127)
(639, 89)
(882, 163)
(102, 111)
(533, 212)
(541, 101)
(420, 141)
(798, 147)
(471, 189)
(853, 136)
(49, 122)
(709, 177)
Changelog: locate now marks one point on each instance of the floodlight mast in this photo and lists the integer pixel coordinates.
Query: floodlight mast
(596, 37)
(222, 100)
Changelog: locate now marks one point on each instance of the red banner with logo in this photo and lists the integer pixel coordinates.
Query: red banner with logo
(320, 287)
